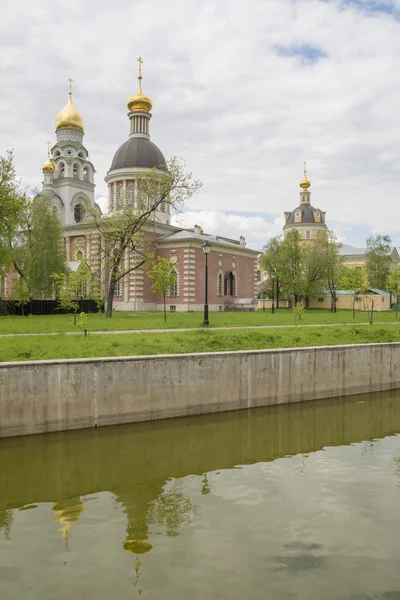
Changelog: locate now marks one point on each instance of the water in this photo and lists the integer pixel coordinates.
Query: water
(294, 502)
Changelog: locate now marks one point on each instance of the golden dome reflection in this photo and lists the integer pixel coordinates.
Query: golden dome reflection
(305, 183)
(139, 101)
(69, 117)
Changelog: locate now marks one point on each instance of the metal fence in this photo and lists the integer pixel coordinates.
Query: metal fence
(43, 307)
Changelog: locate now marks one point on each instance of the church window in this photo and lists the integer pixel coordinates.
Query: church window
(62, 169)
(173, 292)
(258, 275)
(130, 193)
(57, 153)
(69, 152)
(162, 206)
(79, 213)
(298, 214)
(317, 214)
(229, 284)
(220, 285)
(308, 235)
(85, 174)
(81, 155)
(117, 289)
(76, 171)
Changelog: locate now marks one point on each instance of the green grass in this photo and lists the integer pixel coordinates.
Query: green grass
(77, 346)
(131, 320)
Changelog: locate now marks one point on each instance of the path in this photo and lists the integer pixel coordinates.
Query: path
(185, 329)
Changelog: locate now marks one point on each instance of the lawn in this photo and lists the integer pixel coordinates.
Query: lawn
(207, 340)
(155, 320)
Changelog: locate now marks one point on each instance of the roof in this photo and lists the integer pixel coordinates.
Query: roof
(189, 235)
(351, 292)
(346, 250)
(138, 152)
(307, 215)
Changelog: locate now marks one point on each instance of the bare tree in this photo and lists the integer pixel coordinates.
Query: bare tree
(125, 243)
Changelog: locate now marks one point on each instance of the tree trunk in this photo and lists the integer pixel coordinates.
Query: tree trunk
(354, 308)
(110, 293)
(165, 311)
(277, 294)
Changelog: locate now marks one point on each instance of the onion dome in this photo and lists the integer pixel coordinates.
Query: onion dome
(48, 166)
(69, 117)
(138, 152)
(140, 101)
(305, 183)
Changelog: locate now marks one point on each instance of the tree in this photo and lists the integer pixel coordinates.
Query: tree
(43, 253)
(393, 284)
(20, 292)
(125, 243)
(74, 286)
(13, 204)
(291, 265)
(353, 280)
(328, 249)
(163, 276)
(379, 260)
(271, 261)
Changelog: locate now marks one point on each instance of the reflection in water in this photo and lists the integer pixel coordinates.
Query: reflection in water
(6, 519)
(168, 478)
(67, 513)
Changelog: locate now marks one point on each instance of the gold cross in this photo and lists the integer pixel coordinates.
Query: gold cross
(48, 149)
(305, 169)
(70, 85)
(140, 61)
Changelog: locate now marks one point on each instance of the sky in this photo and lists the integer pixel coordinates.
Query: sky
(243, 92)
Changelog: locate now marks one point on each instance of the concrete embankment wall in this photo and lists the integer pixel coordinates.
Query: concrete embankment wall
(58, 395)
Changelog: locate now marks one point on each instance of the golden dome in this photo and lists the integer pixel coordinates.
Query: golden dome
(140, 101)
(305, 183)
(69, 117)
(48, 166)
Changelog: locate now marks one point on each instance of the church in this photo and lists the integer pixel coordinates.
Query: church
(69, 184)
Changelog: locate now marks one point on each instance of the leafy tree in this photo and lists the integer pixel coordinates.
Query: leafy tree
(291, 265)
(393, 284)
(20, 292)
(163, 276)
(298, 310)
(13, 204)
(353, 280)
(328, 248)
(271, 262)
(44, 252)
(74, 286)
(379, 260)
(125, 244)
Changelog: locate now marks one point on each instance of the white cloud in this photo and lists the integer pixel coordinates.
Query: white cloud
(243, 117)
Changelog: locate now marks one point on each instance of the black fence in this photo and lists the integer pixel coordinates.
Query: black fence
(43, 307)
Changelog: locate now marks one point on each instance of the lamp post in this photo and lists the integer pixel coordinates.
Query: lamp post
(206, 249)
(273, 291)
(334, 296)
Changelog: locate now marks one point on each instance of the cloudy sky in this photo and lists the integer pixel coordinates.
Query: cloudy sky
(243, 91)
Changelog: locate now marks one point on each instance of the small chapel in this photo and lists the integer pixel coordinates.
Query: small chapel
(69, 184)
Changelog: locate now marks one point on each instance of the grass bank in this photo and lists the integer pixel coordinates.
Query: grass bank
(136, 321)
(77, 346)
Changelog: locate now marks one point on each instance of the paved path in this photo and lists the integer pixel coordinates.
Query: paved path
(184, 329)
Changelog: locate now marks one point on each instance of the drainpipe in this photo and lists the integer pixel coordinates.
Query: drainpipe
(190, 245)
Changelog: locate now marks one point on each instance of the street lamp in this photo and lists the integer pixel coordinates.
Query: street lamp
(273, 291)
(206, 249)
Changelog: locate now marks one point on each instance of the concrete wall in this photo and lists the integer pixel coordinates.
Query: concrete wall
(72, 394)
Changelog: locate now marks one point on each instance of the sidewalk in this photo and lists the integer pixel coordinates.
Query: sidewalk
(186, 329)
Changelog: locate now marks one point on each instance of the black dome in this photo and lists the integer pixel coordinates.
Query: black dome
(138, 152)
(307, 215)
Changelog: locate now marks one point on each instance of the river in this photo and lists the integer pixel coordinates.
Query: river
(290, 502)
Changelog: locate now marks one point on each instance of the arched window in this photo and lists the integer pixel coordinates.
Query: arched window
(117, 289)
(79, 213)
(61, 169)
(75, 171)
(81, 155)
(174, 287)
(229, 284)
(220, 285)
(85, 174)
